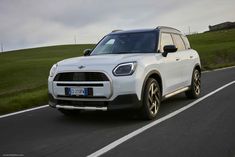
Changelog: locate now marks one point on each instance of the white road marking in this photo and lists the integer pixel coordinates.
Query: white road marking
(35, 108)
(219, 69)
(23, 111)
(146, 127)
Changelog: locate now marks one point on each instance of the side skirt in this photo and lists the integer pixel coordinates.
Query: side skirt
(175, 92)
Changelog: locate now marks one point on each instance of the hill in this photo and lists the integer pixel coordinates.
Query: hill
(23, 73)
(216, 49)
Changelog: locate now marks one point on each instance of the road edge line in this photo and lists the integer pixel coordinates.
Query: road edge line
(23, 111)
(35, 108)
(148, 126)
(219, 69)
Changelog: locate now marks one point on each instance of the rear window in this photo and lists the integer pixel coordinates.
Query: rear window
(178, 42)
(186, 42)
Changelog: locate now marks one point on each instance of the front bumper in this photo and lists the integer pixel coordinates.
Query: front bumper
(128, 101)
(107, 94)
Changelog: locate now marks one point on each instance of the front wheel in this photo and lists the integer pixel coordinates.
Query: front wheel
(195, 88)
(151, 99)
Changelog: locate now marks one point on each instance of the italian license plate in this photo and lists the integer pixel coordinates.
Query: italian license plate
(76, 91)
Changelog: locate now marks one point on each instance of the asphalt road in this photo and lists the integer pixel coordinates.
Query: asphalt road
(206, 129)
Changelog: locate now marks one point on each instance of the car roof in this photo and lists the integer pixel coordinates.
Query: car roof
(157, 29)
(168, 29)
(132, 31)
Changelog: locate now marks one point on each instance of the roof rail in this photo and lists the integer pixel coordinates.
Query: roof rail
(116, 30)
(162, 27)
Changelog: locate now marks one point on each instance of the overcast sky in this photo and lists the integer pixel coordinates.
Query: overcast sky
(33, 23)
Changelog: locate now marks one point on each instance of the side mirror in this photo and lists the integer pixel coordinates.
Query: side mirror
(169, 49)
(87, 52)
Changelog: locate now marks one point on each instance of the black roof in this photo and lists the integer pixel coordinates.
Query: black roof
(132, 31)
(159, 28)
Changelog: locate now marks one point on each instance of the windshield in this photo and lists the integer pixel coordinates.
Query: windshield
(143, 42)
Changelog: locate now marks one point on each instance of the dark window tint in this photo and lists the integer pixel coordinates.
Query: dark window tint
(143, 42)
(178, 42)
(186, 42)
(166, 39)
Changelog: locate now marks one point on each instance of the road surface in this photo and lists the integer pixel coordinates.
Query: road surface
(205, 129)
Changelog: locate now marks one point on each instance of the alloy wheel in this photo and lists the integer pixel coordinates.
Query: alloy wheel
(197, 82)
(153, 98)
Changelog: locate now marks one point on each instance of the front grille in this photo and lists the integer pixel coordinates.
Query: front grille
(81, 76)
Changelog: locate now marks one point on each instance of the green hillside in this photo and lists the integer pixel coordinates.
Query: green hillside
(216, 49)
(23, 73)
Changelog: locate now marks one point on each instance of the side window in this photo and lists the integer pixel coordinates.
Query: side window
(186, 42)
(166, 39)
(178, 42)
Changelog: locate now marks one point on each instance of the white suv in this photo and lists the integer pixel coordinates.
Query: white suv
(134, 69)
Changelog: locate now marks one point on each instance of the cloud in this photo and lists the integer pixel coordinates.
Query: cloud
(39, 23)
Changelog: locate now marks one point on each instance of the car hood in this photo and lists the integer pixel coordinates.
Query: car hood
(109, 59)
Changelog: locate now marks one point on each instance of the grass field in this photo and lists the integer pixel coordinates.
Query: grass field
(23, 73)
(216, 49)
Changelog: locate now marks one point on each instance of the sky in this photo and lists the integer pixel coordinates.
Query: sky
(36, 23)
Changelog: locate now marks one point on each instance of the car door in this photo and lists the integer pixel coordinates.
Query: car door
(171, 67)
(184, 62)
(189, 57)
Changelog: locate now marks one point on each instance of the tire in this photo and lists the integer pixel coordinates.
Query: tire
(69, 113)
(195, 88)
(151, 100)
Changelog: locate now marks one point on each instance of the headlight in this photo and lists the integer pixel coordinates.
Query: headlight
(53, 69)
(124, 69)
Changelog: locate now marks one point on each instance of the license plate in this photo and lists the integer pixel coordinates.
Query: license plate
(76, 91)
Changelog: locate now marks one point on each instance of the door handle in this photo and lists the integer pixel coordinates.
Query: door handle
(191, 57)
(177, 59)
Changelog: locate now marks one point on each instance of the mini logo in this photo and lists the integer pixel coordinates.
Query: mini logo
(81, 67)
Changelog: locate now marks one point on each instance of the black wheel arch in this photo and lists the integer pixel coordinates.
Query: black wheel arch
(155, 75)
(198, 67)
